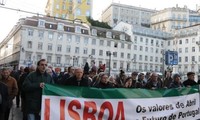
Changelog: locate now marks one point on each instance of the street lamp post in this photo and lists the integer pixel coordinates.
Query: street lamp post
(108, 53)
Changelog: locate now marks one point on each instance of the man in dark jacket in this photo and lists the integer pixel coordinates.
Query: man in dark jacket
(190, 81)
(77, 79)
(3, 100)
(33, 85)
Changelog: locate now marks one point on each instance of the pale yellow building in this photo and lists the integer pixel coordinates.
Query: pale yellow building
(173, 18)
(69, 9)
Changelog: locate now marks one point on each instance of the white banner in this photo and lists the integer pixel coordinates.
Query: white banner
(167, 108)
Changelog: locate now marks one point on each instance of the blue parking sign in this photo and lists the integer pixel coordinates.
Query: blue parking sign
(171, 57)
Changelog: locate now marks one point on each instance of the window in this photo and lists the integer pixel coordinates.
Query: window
(128, 56)
(59, 48)
(60, 36)
(122, 45)
(186, 50)
(151, 58)
(49, 47)
(49, 59)
(141, 39)
(146, 58)
(140, 57)
(193, 59)
(86, 40)
(57, 6)
(101, 42)
(41, 23)
(93, 52)
(108, 43)
(146, 49)
(135, 39)
(87, 13)
(168, 43)
(77, 39)
(108, 34)
(135, 47)
(151, 42)
(180, 42)
(151, 50)
(79, 1)
(60, 26)
(115, 45)
(193, 49)
(186, 41)
(100, 52)
(77, 50)
(156, 50)
(114, 65)
(78, 29)
(156, 59)
(122, 55)
(85, 51)
(58, 60)
(141, 48)
(29, 44)
(193, 40)
(180, 50)
(179, 59)
(78, 11)
(147, 40)
(40, 34)
(39, 57)
(68, 49)
(114, 54)
(69, 38)
(186, 59)
(88, 2)
(129, 46)
(50, 36)
(30, 32)
(94, 32)
(63, 6)
(93, 41)
(40, 45)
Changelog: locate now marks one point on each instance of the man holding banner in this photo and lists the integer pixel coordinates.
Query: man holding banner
(33, 85)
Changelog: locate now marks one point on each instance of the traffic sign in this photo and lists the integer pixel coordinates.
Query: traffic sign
(171, 57)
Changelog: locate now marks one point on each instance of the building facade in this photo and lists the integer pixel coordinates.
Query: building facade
(69, 9)
(116, 13)
(63, 44)
(187, 43)
(173, 18)
(148, 46)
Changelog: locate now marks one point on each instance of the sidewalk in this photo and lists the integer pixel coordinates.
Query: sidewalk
(15, 113)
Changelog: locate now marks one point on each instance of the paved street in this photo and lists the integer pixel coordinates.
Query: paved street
(15, 113)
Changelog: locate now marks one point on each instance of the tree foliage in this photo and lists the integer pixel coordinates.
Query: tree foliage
(97, 23)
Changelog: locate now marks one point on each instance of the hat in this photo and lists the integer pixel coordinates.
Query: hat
(134, 73)
(176, 75)
(190, 73)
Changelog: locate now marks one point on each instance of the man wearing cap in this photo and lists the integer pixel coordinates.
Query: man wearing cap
(190, 81)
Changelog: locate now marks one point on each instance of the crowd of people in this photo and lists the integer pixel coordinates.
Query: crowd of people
(27, 83)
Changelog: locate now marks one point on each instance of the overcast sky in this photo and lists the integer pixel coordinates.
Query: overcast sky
(9, 18)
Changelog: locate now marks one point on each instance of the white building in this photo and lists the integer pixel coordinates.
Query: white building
(187, 42)
(64, 44)
(116, 13)
(147, 48)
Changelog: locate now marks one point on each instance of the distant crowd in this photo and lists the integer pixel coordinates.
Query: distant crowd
(26, 84)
